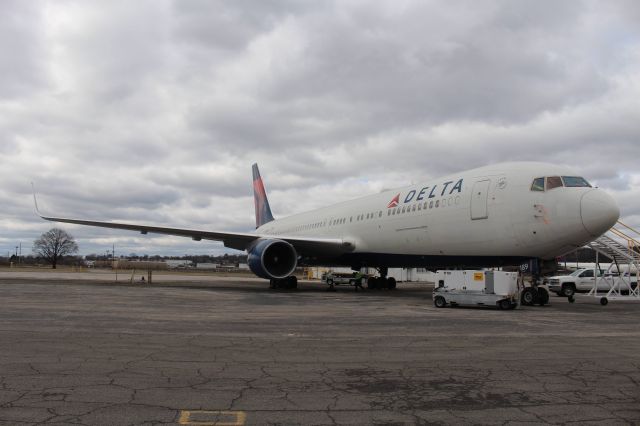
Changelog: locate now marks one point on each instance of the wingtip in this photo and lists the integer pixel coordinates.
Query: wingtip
(35, 200)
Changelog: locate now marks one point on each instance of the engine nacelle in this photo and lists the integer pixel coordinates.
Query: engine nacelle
(272, 259)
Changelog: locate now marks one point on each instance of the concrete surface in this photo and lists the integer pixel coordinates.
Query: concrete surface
(232, 353)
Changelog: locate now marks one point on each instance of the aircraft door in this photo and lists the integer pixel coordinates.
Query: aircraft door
(479, 196)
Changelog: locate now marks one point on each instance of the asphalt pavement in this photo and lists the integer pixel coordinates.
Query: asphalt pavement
(231, 352)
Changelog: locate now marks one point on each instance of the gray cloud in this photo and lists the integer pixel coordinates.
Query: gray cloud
(23, 46)
(154, 111)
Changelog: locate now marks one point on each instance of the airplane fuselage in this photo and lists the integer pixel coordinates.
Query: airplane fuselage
(488, 215)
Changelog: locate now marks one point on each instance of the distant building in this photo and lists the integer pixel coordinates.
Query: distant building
(204, 265)
(400, 274)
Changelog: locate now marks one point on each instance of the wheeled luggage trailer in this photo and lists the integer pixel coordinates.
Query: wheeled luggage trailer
(477, 288)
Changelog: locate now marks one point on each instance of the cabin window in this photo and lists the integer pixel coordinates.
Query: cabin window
(431, 205)
(413, 209)
(575, 182)
(420, 206)
(538, 184)
(553, 182)
(380, 213)
(403, 209)
(437, 203)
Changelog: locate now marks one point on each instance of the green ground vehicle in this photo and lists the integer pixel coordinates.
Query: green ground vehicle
(355, 279)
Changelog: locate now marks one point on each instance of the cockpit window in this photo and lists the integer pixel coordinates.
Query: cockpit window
(575, 181)
(557, 182)
(553, 182)
(538, 184)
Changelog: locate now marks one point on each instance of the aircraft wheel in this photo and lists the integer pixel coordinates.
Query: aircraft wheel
(372, 284)
(504, 304)
(273, 284)
(543, 296)
(292, 282)
(571, 299)
(439, 302)
(568, 290)
(528, 296)
(604, 301)
(391, 283)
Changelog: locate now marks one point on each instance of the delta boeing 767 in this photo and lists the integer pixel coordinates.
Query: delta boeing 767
(502, 214)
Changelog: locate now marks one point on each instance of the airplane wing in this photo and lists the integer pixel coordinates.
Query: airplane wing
(235, 240)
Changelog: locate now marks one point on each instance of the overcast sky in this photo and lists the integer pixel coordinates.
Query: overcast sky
(153, 111)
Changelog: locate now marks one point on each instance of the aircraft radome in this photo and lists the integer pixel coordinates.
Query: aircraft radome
(502, 214)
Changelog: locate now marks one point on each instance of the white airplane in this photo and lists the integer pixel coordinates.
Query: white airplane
(502, 214)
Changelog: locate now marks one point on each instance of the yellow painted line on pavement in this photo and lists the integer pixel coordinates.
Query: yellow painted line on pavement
(212, 418)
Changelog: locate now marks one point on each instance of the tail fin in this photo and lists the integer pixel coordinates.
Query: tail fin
(263, 211)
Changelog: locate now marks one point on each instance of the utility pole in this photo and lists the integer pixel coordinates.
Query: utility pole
(114, 259)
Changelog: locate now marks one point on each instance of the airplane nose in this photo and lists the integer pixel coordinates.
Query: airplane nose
(599, 212)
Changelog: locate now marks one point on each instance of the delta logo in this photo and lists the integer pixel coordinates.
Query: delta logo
(394, 202)
(428, 192)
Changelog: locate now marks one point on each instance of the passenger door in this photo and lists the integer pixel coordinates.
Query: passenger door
(479, 196)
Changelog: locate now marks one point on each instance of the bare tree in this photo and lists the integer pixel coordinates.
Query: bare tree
(53, 245)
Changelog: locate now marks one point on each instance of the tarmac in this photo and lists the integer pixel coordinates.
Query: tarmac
(225, 351)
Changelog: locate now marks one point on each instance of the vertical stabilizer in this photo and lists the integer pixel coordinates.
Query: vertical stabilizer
(263, 211)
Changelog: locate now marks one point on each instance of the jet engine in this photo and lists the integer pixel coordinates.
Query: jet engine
(272, 259)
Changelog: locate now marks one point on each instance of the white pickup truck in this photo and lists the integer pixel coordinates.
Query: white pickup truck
(582, 280)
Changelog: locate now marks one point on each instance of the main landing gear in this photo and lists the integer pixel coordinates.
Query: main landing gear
(534, 295)
(377, 283)
(288, 283)
(382, 281)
